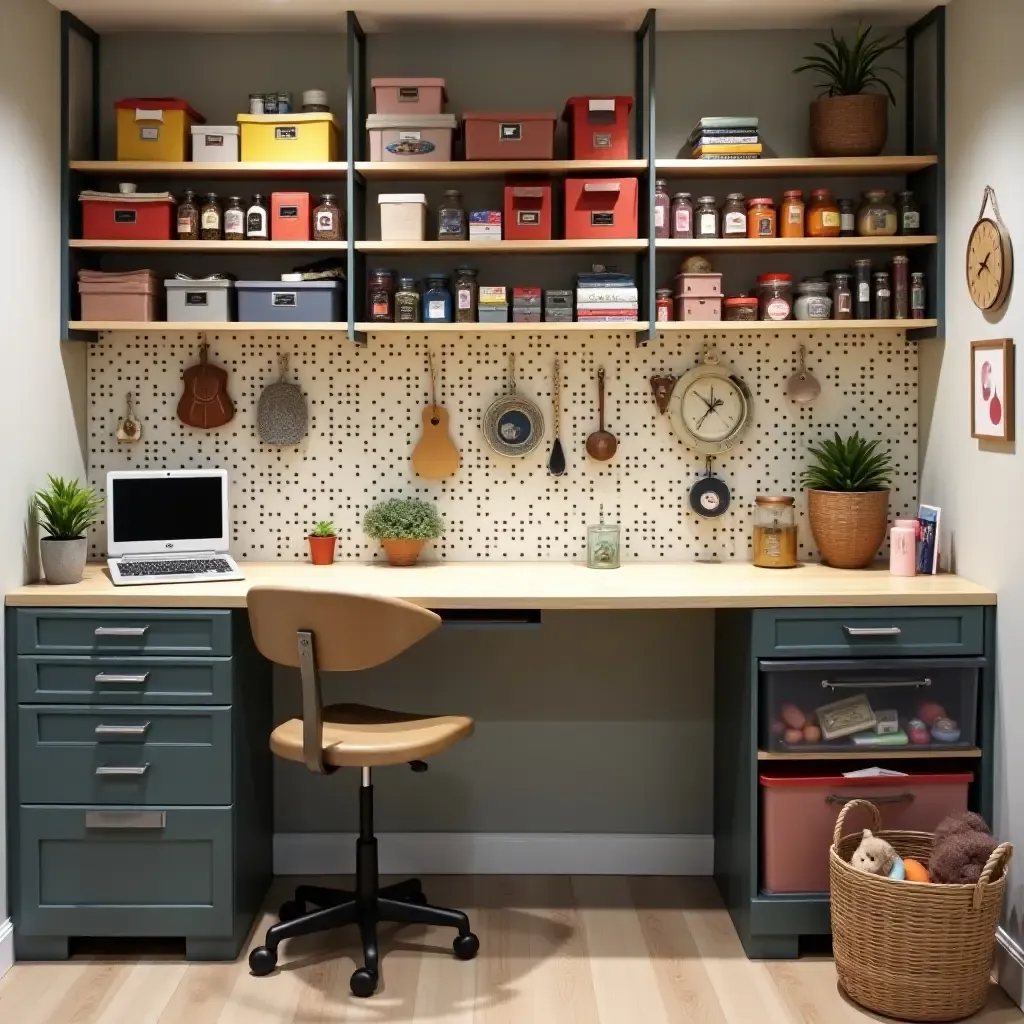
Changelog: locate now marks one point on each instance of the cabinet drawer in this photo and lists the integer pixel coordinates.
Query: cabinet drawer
(118, 871)
(64, 680)
(858, 632)
(119, 631)
(120, 755)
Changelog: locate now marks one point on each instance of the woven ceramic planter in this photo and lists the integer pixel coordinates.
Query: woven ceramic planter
(402, 552)
(848, 526)
(850, 125)
(63, 560)
(321, 549)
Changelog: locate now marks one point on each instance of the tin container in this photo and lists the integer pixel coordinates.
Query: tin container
(256, 105)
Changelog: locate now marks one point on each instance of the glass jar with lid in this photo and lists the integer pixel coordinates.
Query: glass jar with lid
(775, 536)
(257, 223)
(842, 295)
(663, 305)
(910, 215)
(210, 218)
(380, 295)
(823, 219)
(740, 307)
(437, 300)
(188, 218)
(813, 299)
(234, 220)
(603, 543)
(451, 218)
(862, 289)
(775, 292)
(791, 220)
(465, 288)
(734, 216)
(682, 215)
(706, 217)
(327, 220)
(761, 218)
(883, 295)
(662, 209)
(407, 301)
(900, 286)
(877, 216)
(847, 218)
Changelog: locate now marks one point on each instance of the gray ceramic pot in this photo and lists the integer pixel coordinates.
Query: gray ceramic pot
(63, 560)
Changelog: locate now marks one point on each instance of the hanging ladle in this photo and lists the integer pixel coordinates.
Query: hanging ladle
(803, 387)
(602, 444)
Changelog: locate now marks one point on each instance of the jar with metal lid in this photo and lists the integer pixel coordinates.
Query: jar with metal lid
(900, 287)
(188, 218)
(706, 217)
(791, 221)
(327, 220)
(918, 296)
(437, 300)
(663, 305)
(234, 220)
(861, 289)
(775, 534)
(740, 307)
(662, 210)
(877, 216)
(734, 216)
(776, 294)
(761, 218)
(813, 300)
(210, 218)
(451, 218)
(682, 215)
(407, 301)
(883, 296)
(380, 295)
(910, 215)
(847, 218)
(822, 218)
(465, 288)
(842, 296)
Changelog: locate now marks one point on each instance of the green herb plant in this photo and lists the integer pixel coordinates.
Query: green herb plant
(849, 70)
(324, 528)
(403, 519)
(66, 509)
(851, 465)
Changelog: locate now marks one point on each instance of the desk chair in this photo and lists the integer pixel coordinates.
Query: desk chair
(315, 630)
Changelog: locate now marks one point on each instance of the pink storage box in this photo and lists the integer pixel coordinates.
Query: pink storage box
(408, 95)
(395, 137)
(698, 286)
(706, 310)
(130, 296)
(798, 817)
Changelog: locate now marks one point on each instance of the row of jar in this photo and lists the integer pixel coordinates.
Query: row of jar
(288, 216)
(823, 216)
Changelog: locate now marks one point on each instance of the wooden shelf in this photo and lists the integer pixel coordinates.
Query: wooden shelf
(233, 327)
(877, 754)
(428, 170)
(188, 169)
(760, 326)
(777, 167)
(114, 245)
(236, 327)
(776, 245)
(557, 245)
(509, 328)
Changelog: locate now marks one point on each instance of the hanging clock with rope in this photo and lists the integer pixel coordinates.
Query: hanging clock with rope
(989, 258)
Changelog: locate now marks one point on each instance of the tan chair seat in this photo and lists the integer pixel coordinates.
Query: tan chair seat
(356, 736)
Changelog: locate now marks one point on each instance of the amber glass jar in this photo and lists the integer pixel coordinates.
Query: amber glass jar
(774, 532)
(823, 219)
(210, 218)
(791, 220)
(761, 218)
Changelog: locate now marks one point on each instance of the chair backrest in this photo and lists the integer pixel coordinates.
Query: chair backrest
(350, 631)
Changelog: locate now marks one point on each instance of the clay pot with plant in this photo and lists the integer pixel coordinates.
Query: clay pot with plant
(65, 510)
(403, 525)
(851, 116)
(848, 499)
(322, 542)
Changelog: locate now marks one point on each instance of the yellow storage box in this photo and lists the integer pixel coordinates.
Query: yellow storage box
(154, 128)
(287, 138)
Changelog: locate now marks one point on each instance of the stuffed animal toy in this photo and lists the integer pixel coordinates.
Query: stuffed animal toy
(963, 845)
(874, 856)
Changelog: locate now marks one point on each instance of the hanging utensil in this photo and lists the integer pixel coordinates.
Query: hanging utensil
(802, 387)
(602, 444)
(281, 414)
(662, 388)
(556, 463)
(129, 429)
(710, 497)
(513, 426)
(435, 455)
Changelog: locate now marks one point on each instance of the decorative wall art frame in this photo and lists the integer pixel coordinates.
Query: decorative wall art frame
(993, 406)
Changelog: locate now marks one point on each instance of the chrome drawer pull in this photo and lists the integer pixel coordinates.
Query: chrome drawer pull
(125, 819)
(120, 630)
(112, 677)
(122, 730)
(888, 798)
(132, 769)
(917, 684)
(873, 630)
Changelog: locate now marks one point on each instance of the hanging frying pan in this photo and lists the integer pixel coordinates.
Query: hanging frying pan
(710, 497)
(513, 426)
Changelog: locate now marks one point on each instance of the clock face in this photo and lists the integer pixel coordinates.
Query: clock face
(710, 409)
(988, 265)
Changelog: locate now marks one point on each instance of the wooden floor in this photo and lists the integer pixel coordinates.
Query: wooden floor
(579, 950)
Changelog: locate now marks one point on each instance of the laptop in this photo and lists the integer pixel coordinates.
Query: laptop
(168, 526)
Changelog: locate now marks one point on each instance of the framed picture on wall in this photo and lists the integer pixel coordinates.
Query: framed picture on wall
(992, 398)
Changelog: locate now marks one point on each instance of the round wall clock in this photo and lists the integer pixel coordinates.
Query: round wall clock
(710, 408)
(989, 258)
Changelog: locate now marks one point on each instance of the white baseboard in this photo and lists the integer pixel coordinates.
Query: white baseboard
(1010, 966)
(6, 946)
(464, 853)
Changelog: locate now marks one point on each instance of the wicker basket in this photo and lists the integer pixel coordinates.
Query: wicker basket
(916, 952)
(850, 125)
(848, 526)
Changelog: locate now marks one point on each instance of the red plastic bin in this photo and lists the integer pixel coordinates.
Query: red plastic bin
(600, 207)
(598, 127)
(798, 817)
(127, 217)
(528, 212)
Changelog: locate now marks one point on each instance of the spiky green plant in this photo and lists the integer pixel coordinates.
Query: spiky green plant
(851, 70)
(851, 465)
(403, 519)
(66, 509)
(325, 528)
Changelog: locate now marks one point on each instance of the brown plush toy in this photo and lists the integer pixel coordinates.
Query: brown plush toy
(963, 845)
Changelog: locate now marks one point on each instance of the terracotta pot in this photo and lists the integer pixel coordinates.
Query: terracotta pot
(402, 552)
(848, 526)
(63, 560)
(850, 125)
(321, 549)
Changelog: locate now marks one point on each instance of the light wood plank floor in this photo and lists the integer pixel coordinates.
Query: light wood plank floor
(554, 950)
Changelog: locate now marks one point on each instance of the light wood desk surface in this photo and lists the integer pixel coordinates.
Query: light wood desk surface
(544, 585)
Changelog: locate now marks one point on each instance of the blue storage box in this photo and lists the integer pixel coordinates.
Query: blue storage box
(289, 301)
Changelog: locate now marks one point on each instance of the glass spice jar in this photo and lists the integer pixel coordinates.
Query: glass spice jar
(842, 296)
(877, 217)
(451, 218)
(465, 287)
(791, 221)
(663, 305)
(210, 218)
(737, 308)
(776, 295)
(380, 295)
(814, 300)
(775, 534)
(188, 218)
(861, 289)
(706, 217)
(847, 218)
(257, 224)
(900, 287)
(910, 216)
(883, 296)
(682, 215)
(234, 220)
(761, 218)
(407, 301)
(918, 296)
(327, 220)
(603, 545)
(662, 210)
(822, 219)
(437, 300)
(734, 216)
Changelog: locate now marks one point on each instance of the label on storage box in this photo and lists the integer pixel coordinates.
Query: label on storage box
(410, 144)
(213, 140)
(126, 216)
(510, 132)
(602, 219)
(195, 299)
(528, 218)
(602, 140)
(288, 212)
(284, 298)
(435, 309)
(149, 134)
(286, 132)
(408, 93)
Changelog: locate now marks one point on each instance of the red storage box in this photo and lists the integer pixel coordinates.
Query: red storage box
(598, 127)
(509, 136)
(798, 817)
(528, 212)
(600, 207)
(289, 216)
(112, 216)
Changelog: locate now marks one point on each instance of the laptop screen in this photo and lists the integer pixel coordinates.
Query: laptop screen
(177, 508)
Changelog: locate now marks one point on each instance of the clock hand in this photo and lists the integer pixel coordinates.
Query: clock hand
(703, 418)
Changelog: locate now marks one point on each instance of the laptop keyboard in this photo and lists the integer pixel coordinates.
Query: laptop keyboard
(177, 567)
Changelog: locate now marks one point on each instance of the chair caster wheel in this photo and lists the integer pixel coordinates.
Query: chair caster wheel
(291, 910)
(466, 946)
(262, 961)
(363, 983)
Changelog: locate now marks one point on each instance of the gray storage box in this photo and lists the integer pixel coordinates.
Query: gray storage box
(492, 314)
(558, 315)
(289, 301)
(212, 301)
(526, 314)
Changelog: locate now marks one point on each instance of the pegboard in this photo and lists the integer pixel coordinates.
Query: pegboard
(365, 407)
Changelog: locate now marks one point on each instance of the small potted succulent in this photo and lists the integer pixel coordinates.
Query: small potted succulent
(848, 500)
(851, 115)
(321, 543)
(65, 510)
(402, 525)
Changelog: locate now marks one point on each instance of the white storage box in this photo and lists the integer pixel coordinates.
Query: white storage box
(215, 144)
(208, 301)
(403, 217)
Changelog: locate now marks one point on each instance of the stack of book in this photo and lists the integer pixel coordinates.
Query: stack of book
(606, 297)
(726, 138)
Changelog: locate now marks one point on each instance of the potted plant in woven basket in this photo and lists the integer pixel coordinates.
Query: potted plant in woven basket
(848, 500)
(851, 115)
(65, 510)
(402, 525)
(322, 542)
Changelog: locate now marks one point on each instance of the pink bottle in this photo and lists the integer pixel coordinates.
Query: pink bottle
(903, 548)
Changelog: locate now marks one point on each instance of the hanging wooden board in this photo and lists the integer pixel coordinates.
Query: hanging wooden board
(435, 455)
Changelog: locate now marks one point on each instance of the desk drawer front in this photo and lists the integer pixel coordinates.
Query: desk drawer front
(63, 680)
(121, 755)
(118, 631)
(873, 632)
(113, 871)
